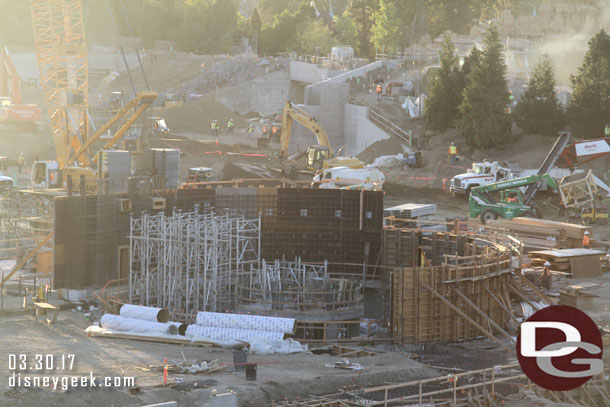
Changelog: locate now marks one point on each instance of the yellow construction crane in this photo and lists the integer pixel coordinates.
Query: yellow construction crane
(319, 156)
(61, 51)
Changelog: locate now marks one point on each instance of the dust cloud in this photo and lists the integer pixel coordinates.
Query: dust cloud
(566, 50)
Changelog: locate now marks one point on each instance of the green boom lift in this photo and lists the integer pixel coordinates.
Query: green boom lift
(512, 203)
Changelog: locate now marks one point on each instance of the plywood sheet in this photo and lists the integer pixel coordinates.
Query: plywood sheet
(586, 267)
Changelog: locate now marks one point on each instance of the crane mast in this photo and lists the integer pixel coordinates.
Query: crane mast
(61, 51)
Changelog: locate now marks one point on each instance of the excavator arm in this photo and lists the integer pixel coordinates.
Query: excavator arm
(9, 80)
(292, 112)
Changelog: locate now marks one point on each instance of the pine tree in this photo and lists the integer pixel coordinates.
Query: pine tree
(386, 26)
(443, 96)
(538, 111)
(590, 107)
(361, 12)
(463, 75)
(484, 120)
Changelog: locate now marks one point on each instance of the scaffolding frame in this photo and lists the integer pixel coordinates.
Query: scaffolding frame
(191, 261)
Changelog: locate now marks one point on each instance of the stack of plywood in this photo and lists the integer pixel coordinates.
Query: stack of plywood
(541, 233)
(579, 263)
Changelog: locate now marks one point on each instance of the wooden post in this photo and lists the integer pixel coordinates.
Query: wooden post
(19, 285)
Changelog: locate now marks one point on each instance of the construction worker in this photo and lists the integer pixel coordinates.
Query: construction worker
(21, 162)
(562, 208)
(230, 125)
(215, 128)
(378, 90)
(607, 130)
(545, 277)
(512, 198)
(452, 153)
(265, 130)
(250, 130)
(274, 130)
(586, 242)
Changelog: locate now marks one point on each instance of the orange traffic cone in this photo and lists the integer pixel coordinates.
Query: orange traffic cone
(216, 141)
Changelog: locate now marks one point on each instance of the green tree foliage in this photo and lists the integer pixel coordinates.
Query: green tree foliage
(538, 111)
(255, 22)
(484, 120)
(589, 110)
(463, 75)
(456, 15)
(361, 12)
(385, 31)
(443, 95)
(281, 36)
(347, 33)
(315, 34)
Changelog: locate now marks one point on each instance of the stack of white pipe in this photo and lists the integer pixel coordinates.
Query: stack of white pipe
(139, 319)
(241, 321)
(237, 327)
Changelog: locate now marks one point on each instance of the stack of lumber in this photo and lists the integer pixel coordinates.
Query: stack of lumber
(410, 210)
(578, 263)
(541, 233)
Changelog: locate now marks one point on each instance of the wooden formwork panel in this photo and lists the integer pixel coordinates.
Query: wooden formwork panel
(454, 267)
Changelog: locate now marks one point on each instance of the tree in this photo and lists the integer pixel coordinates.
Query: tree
(361, 11)
(589, 110)
(484, 120)
(443, 96)
(347, 33)
(386, 26)
(315, 34)
(282, 34)
(255, 23)
(538, 111)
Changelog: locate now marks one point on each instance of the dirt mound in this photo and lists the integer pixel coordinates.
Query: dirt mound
(390, 146)
(196, 116)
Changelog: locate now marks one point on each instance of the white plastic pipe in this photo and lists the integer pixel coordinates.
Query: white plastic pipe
(144, 313)
(230, 334)
(245, 322)
(119, 323)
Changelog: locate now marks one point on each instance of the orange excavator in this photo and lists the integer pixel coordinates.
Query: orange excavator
(11, 107)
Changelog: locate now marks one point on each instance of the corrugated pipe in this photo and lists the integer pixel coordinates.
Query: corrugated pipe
(119, 323)
(245, 322)
(144, 313)
(230, 334)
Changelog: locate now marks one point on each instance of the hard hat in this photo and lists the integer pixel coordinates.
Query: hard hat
(586, 232)
(547, 263)
(452, 143)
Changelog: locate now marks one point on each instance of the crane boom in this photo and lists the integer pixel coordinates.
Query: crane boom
(517, 183)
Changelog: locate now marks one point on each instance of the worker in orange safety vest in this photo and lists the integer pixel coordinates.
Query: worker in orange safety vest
(586, 243)
(378, 90)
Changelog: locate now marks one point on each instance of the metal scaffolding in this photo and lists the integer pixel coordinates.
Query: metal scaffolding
(191, 261)
(297, 287)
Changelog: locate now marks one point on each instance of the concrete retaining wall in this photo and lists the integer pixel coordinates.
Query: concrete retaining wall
(265, 95)
(359, 131)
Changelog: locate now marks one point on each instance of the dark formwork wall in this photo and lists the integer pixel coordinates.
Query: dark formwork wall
(340, 226)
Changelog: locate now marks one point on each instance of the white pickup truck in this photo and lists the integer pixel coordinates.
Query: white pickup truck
(486, 172)
(482, 173)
